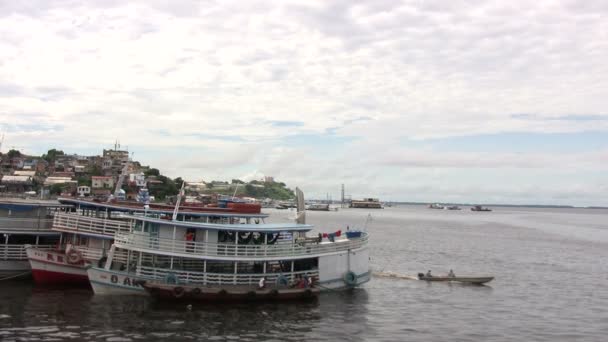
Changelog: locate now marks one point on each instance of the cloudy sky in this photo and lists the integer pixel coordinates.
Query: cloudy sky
(436, 101)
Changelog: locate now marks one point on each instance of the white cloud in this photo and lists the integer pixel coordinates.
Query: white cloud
(205, 80)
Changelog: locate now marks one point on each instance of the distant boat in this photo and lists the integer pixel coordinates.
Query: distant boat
(469, 280)
(453, 207)
(319, 207)
(367, 203)
(285, 205)
(480, 208)
(436, 206)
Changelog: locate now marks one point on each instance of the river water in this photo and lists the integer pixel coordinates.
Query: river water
(551, 268)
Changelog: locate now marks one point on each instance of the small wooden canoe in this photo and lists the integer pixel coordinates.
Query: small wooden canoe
(470, 280)
(228, 293)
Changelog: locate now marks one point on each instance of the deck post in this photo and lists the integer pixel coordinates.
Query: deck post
(236, 243)
(173, 244)
(108, 264)
(235, 270)
(205, 272)
(265, 244)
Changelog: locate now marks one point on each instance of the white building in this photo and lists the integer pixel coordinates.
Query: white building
(84, 191)
(102, 182)
(139, 179)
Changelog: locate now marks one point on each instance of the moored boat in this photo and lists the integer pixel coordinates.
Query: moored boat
(318, 207)
(367, 203)
(234, 254)
(23, 223)
(88, 229)
(480, 208)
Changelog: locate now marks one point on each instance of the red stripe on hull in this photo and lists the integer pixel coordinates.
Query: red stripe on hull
(58, 278)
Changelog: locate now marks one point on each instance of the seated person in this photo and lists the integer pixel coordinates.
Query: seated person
(451, 274)
(428, 274)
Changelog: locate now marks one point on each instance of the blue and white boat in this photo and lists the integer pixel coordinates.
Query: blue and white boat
(221, 252)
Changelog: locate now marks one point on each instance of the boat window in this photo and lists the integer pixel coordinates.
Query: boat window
(82, 241)
(137, 226)
(16, 239)
(48, 240)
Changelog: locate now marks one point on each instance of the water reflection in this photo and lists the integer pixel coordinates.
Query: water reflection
(35, 313)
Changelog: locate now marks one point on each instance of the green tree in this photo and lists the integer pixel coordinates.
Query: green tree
(84, 181)
(178, 182)
(13, 154)
(152, 172)
(56, 189)
(52, 154)
(95, 170)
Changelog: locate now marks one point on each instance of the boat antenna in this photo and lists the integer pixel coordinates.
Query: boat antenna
(301, 209)
(179, 199)
(235, 189)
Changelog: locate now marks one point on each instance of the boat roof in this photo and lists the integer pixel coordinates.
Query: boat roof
(124, 208)
(19, 204)
(262, 227)
(29, 232)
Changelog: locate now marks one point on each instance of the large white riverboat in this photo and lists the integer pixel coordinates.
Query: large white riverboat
(25, 223)
(87, 233)
(227, 259)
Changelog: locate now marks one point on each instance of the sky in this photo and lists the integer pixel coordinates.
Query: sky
(424, 101)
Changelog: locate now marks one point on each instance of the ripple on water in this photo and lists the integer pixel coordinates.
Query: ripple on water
(118, 339)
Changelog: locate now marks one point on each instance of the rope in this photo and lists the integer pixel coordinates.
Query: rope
(324, 287)
(16, 276)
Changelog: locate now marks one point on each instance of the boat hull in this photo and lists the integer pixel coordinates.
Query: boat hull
(228, 293)
(110, 282)
(470, 280)
(14, 268)
(52, 268)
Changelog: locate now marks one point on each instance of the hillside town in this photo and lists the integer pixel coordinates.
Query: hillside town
(56, 173)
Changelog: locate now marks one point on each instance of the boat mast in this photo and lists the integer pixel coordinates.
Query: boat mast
(301, 213)
(179, 199)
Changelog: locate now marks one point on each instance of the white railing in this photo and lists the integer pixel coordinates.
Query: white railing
(232, 251)
(74, 223)
(205, 278)
(17, 252)
(93, 254)
(14, 223)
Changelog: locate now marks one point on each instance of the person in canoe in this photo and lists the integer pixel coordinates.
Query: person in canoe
(428, 274)
(451, 274)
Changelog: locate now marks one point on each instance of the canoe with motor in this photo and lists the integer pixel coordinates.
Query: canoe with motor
(470, 280)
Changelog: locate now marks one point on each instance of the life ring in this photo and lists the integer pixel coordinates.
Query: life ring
(282, 281)
(170, 278)
(196, 291)
(350, 278)
(73, 257)
(178, 292)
